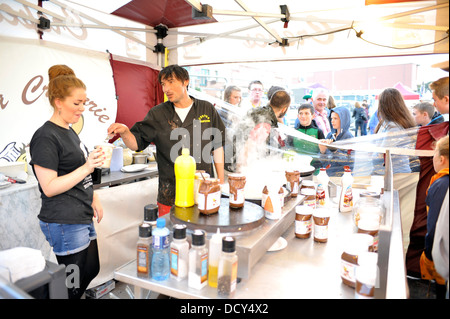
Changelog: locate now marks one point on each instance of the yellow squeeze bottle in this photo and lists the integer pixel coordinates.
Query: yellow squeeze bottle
(184, 179)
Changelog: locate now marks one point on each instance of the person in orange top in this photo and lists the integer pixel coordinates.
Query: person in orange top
(435, 196)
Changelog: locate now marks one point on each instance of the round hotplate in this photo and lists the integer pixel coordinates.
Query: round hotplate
(229, 220)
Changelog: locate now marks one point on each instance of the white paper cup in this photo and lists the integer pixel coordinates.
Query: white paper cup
(108, 150)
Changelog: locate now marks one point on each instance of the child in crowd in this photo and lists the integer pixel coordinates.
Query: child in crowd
(435, 196)
(340, 120)
(308, 126)
(424, 114)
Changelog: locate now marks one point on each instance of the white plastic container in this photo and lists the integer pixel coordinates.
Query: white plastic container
(322, 194)
(215, 247)
(346, 196)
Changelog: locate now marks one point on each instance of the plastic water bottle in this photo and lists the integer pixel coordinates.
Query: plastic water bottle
(160, 259)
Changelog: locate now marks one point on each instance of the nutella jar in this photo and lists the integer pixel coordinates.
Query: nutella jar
(209, 196)
(310, 197)
(321, 218)
(303, 221)
(358, 244)
(306, 183)
(293, 182)
(366, 276)
(371, 226)
(237, 183)
(200, 175)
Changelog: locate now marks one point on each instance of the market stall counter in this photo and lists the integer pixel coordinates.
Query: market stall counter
(302, 269)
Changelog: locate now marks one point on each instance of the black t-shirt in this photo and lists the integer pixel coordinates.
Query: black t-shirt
(61, 150)
(202, 132)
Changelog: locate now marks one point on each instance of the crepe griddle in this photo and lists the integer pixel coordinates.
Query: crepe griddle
(229, 220)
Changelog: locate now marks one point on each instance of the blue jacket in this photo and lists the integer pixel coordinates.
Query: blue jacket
(339, 158)
(344, 115)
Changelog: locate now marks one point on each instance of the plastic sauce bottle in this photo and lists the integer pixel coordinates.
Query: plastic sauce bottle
(144, 250)
(179, 253)
(228, 266)
(346, 197)
(198, 261)
(160, 259)
(184, 179)
(322, 194)
(215, 247)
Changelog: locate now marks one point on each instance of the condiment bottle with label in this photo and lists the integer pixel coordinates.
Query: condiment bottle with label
(357, 244)
(215, 247)
(237, 184)
(322, 194)
(321, 218)
(346, 197)
(366, 276)
(228, 265)
(303, 221)
(198, 261)
(179, 253)
(293, 182)
(209, 195)
(151, 214)
(184, 179)
(144, 250)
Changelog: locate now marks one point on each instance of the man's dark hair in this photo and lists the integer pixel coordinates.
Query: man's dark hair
(175, 71)
(280, 99)
(306, 106)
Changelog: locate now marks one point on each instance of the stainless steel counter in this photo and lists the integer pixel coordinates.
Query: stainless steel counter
(303, 270)
(118, 177)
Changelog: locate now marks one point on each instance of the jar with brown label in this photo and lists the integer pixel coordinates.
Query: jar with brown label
(358, 244)
(306, 183)
(200, 176)
(310, 197)
(321, 218)
(366, 276)
(293, 182)
(237, 184)
(209, 196)
(371, 226)
(303, 221)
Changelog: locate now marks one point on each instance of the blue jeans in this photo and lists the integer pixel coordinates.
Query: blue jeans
(67, 239)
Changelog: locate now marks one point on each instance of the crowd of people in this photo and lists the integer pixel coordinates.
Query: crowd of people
(319, 117)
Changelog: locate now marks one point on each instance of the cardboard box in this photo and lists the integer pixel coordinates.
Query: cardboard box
(100, 291)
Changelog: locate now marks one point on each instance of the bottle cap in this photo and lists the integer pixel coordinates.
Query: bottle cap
(185, 151)
(150, 212)
(145, 230)
(198, 237)
(179, 231)
(228, 244)
(160, 222)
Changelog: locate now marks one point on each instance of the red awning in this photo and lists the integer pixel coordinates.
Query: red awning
(407, 93)
(172, 13)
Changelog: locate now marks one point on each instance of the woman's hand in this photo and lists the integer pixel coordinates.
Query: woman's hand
(97, 207)
(95, 159)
